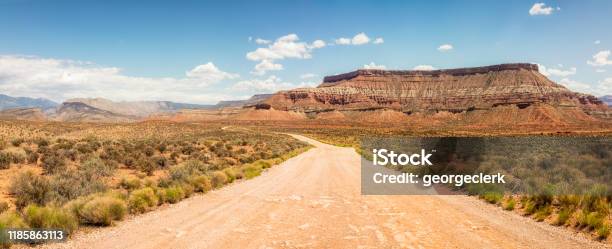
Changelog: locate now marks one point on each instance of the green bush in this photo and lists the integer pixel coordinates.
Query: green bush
(9, 220)
(510, 204)
(201, 183)
(31, 156)
(594, 220)
(563, 217)
(17, 141)
(174, 194)
(604, 231)
(98, 209)
(130, 183)
(29, 188)
(50, 217)
(492, 197)
(251, 171)
(142, 200)
(218, 179)
(542, 213)
(71, 184)
(231, 174)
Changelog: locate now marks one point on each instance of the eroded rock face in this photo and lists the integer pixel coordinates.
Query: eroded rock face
(453, 90)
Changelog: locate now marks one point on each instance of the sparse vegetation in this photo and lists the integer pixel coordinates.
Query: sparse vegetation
(95, 174)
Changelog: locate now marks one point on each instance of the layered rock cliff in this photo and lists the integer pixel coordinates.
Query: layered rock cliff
(453, 90)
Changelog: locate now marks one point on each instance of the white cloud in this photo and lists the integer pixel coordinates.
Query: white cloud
(269, 85)
(560, 72)
(597, 42)
(63, 79)
(424, 67)
(576, 85)
(307, 76)
(603, 87)
(266, 65)
(358, 39)
(445, 47)
(372, 65)
(262, 41)
(600, 59)
(343, 41)
(318, 44)
(541, 9)
(285, 47)
(378, 40)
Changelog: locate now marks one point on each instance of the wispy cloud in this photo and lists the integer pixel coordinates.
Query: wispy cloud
(359, 39)
(445, 47)
(373, 65)
(600, 59)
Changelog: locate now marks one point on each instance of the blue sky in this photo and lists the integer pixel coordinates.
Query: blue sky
(198, 51)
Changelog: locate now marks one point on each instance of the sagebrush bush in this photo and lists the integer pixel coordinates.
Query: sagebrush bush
(10, 220)
(71, 184)
(98, 209)
(218, 179)
(50, 217)
(493, 197)
(142, 200)
(231, 174)
(53, 163)
(5, 160)
(130, 183)
(201, 183)
(251, 171)
(17, 141)
(173, 194)
(29, 188)
(95, 167)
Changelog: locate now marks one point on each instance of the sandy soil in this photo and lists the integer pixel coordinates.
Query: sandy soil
(314, 201)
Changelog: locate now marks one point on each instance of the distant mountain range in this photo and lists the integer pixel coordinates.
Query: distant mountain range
(8, 102)
(607, 99)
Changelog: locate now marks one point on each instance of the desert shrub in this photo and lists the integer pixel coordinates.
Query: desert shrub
(41, 142)
(160, 161)
(31, 156)
(5, 160)
(29, 188)
(9, 220)
(17, 157)
(510, 204)
(98, 209)
(563, 217)
(17, 141)
(604, 231)
(72, 184)
(142, 200)
(130, 183)
(251, 171)
(218, 179)
(201, 183)
(50, 217)
(146, 166)
(3, 206)
(53, 163)
(594, 220)
(231, 174)
(174, 194)
(95, 167)
(542, 213)
(493, 197)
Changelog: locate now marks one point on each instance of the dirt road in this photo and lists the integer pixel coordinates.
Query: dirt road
(314, 201)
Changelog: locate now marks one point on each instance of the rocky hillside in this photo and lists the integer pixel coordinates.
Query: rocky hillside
(136, 108)
(31, 114)
(450, 90)
(240, 103)
(80, 112)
